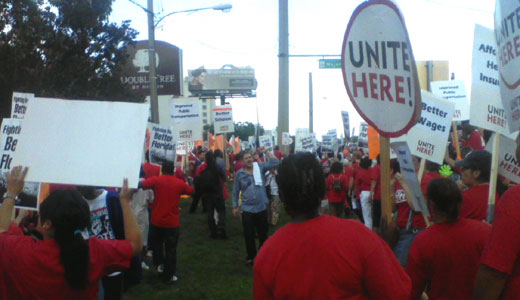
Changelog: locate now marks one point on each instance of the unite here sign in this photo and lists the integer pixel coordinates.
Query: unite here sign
(486, 109)
(507, 36)
(379, 69)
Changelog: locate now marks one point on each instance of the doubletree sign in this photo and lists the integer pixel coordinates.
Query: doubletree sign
(168, 59)
(379, 68)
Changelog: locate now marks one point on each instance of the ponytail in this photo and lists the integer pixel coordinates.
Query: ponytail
(69, 214)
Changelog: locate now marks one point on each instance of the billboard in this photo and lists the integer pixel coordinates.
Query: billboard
(168, 60)
(215, 82)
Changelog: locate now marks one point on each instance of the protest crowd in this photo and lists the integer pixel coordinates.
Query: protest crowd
(431, 215)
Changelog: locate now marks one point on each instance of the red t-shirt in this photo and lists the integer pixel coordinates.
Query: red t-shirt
(502, 251)
(348, 173)
(403, 210)
(167, 191)
(375, 174)
(446, 256)
(333, 196)
(475, 202)
(151, 170)
(328, 258)
(278, 154)
(474, 141)
(238, 165)
(363, 179)
(32, 269)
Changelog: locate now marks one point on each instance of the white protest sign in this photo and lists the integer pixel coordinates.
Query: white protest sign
(508, 165)
(286, 139)
(266, 141)
(486, 109)
(300, 133)
(9, 136)
(308, 143)
(19, 104)
(507, 37)
(379, 68)
(327, 143)
(455, 92)
(181, 148)
(408, 171)
(252, 142)
(363, 133)
(346, 124)
(332, 133)
(223, 119)
(428, 139)
(162, 144)
(187, 121)
(95, 143)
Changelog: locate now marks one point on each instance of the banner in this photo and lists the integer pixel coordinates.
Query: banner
(19, 104)
(186, 120)
(407, 169)
(214, 82)
(267, 142)
(507, 30)
(9, 136)
(428, 139)
(508, 165)
(162, 144)
(95, 143)
(455, 92)
(346, 124)
(223, 119)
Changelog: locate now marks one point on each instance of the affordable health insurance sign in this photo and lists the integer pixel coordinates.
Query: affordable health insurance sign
(379, 68)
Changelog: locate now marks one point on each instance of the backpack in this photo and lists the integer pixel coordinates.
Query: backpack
(337, 186)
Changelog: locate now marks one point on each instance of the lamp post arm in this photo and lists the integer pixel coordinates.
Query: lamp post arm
(180, 11)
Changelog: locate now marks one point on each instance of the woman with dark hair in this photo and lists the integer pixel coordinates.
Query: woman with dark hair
(209, 187)
(337, 187)
(63, 265)
(445, 257)
(197, 83)
(322, 257)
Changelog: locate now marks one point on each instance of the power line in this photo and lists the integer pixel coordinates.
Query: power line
(139, 5)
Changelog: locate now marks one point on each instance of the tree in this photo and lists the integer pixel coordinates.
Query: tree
(63, 49)
(246, 129)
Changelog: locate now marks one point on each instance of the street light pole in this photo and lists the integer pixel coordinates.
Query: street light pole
(151, 49)
(283, 75)
(152, 64)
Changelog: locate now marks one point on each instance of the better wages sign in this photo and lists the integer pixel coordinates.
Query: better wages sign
(429, 137)
(379, 68)
(486, 109)
(507, 35)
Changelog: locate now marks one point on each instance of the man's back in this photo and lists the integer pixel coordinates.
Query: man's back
(328, 258)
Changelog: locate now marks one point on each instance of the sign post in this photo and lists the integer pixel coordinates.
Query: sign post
(381, 79)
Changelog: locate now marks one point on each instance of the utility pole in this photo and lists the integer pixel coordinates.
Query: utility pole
(311, 117)
(151, 58)
(283, 73)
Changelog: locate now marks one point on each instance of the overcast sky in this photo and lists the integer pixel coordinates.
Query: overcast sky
(248, 36)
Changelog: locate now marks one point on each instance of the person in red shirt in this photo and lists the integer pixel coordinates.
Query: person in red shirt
(63, 265)
(476, 170)
(499, 273)
(322, 257)
(375, 194)
(150, 169)
(363, 183)
(337, 187)
(354, 167)
(278, 153)
(164, 229)
(473, 138)
(445, 257)
(431, 173)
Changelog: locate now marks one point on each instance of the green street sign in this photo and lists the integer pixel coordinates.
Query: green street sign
(330, 63)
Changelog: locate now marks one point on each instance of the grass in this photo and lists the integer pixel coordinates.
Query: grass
(208, 269)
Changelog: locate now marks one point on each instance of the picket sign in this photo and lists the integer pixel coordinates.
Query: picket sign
(384, 91)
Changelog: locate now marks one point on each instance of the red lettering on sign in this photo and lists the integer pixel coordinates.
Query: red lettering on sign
(399, 89)
(359, 84)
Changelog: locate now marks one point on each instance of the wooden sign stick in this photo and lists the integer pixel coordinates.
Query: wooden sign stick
(386, 193)
(493, 179)
(456, 136)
